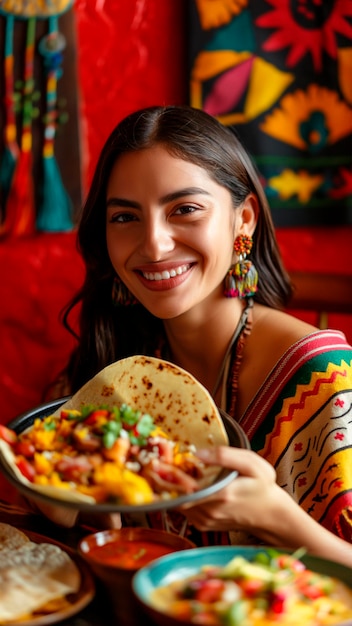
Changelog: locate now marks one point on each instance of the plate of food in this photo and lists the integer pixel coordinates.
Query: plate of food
(42, 582)
(238, 585)
(125, 442)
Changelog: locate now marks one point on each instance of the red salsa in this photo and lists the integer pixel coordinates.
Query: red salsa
(129, 554)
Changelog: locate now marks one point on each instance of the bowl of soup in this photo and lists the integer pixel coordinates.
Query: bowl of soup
(115, 555)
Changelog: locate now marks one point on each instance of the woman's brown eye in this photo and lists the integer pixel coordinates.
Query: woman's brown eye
(184, 210)
(122, 218)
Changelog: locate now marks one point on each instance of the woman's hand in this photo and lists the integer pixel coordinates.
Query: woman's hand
(249, 503)
(255, 503)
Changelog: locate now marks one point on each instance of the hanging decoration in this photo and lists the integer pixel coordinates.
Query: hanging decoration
(55, 209)
(11, 150)
(21, 216)
(279, 72)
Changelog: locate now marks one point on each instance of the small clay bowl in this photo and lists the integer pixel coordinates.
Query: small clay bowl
(114, 556)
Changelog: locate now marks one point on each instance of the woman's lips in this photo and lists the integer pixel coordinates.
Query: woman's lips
(166, 274)
(165, 279)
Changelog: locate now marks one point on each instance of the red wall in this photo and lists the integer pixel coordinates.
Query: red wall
(130, 54)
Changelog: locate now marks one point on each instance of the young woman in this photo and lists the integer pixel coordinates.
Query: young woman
(182, 263)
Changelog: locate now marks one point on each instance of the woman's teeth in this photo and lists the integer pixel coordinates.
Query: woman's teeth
(166, 274)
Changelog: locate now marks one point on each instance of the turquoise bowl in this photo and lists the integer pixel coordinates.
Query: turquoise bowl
(180, 565)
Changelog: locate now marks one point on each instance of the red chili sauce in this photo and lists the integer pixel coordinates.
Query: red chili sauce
(129, 554)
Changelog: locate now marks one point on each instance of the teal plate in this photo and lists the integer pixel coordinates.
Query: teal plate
(180, 565)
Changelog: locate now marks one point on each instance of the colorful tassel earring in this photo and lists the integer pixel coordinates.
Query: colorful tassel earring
(242, 278)
(121, 296)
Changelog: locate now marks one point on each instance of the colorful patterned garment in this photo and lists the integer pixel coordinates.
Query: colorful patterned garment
(301, 422)
(279, 72)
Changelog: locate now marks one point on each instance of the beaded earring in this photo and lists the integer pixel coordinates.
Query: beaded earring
(121, 295)
(242, 278)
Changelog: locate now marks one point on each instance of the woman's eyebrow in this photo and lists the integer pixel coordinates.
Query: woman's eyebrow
(122, 202)
(169, 197)
(180, 193)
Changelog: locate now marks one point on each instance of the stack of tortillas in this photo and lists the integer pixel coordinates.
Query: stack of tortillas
(32, 574)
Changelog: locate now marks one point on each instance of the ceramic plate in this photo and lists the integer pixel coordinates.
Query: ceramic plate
(76, 601)
(186, 563)
(236, 435)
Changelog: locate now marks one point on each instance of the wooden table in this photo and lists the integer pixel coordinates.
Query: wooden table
(99, 612)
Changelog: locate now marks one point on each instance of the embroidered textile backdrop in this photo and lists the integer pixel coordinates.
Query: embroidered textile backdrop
(279, 72)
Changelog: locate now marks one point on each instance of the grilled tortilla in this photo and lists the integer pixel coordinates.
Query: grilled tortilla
(179, 405)
(177, 401)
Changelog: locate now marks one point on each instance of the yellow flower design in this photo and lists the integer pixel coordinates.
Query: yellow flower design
(290, 183)
(215, 13)
(284, 123)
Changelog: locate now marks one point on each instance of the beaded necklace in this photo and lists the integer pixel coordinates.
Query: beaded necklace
(229, 370)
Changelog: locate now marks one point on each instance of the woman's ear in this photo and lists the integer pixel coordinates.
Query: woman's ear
(248, 215)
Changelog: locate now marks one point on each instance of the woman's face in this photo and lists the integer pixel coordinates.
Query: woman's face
(170, 231)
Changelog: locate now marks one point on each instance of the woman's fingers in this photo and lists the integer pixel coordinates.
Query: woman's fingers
(246, 462)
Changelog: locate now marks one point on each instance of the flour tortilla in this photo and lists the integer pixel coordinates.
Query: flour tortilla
(11, 537)
(177, 402)
(33, 575)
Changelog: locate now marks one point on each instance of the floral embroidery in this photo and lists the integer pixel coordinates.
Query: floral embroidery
(296, 28)
(279, 72)
(339, 436)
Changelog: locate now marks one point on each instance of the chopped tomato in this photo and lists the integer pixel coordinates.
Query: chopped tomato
(286, 560)
(210, 590)
(309, 586)
(95, 415)
(26, 469)
(8, 435)
(24, 448)
(278, 602)
(252, 586)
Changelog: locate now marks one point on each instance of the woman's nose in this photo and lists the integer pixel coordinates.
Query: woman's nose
(157, 239)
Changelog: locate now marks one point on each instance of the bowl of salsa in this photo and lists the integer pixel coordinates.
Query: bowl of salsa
(129, 548)
(115, 555)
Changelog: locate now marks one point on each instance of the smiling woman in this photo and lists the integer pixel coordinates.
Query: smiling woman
(182, 263)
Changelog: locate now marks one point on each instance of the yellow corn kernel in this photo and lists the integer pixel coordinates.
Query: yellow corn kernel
(44, 439)
(64, 428)
(136, 490)
(42, 464)
(124, 484)
(107, 473)
(56, 481)
(82, 433)
(157, 432)
(41, 479)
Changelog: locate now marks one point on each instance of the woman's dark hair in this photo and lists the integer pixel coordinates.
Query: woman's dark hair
(107, 333)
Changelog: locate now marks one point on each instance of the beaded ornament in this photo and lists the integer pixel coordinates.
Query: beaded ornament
(241, 280)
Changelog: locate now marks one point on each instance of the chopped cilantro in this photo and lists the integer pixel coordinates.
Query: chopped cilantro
(145, 425)
(109, 439)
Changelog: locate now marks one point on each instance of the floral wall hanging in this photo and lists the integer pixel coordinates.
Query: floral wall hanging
(279, 72)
